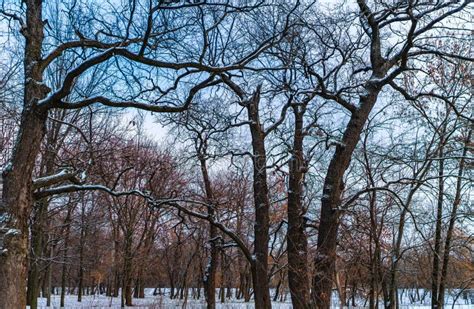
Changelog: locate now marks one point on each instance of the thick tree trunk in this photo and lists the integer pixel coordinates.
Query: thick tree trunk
(296, 238)
(262, 207)
(325, 259)
(17, 193)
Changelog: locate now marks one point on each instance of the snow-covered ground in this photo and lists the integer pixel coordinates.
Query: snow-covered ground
(149, 302)
(163, 301)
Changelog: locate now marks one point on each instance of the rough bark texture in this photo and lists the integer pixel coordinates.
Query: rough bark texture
(296, 238)
(325, 259)
(262, 207)
(211, 269)
(17, 195)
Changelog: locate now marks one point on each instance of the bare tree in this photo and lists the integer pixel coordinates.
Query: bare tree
(137, 45)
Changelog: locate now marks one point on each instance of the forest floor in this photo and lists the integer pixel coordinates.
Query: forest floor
(149, 302)
(163, 301)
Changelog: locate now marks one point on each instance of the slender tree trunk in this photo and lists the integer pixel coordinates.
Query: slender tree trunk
(244, 279)
(36, 252)
(374, 245)
(341, 289)
(65, 256)
(127, 273)
(49, 275)
(248, 280)
(116, 268)
(222, 286)
(211, 268)
(242, 262)
(17, 192)
(81, 258)
(373, 253)
(139, 291)
(392, 294)
(296, 238)
(452, 221)
(439, 221)
(325, 258)
(40, 211)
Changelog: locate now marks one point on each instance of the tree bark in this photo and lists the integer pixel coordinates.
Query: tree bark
(439, 221)
(452, 221)
(325, 258)
(211, 268)
(67, 223)
(36, 252)
(127, 280)
(17, 194)
(262, 206)
(39, 222)
(49, 275)
(81, 255)
(296, 238)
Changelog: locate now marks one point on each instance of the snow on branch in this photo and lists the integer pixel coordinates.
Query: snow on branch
(61, 176)
(155, 203)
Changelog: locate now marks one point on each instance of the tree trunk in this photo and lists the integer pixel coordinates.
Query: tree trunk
(81, 257)
(36, 252)
(139, 291)
(452, 221)
(67, 222)
(49, 275)
(40, 211)
(439, 221)
(116, 283)
(325, 258)
(296, 238)
(211, 268)
(127, 272)
(374, 237)
(341, 290)
(262, 207)
(392, 295)
(17, 192)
